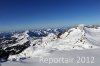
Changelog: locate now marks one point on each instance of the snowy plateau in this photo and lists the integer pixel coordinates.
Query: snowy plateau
(79, 45)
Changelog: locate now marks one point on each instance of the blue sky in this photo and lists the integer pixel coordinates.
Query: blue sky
(28, 14)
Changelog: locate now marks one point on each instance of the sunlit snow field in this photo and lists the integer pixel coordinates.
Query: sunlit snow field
(35, 61)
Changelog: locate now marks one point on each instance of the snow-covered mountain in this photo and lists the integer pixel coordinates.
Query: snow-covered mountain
(27, 44)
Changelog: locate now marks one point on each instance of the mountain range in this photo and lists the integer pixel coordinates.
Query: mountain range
(15, 46)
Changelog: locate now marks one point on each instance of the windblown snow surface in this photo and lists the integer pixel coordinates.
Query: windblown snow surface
(78, 46)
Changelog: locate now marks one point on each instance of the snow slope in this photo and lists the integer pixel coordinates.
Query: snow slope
(77, 38)
(35, 61)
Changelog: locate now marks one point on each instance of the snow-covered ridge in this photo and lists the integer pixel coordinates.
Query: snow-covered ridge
(43, 42)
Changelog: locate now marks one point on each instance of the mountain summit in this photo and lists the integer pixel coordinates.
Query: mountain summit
(42, 42)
